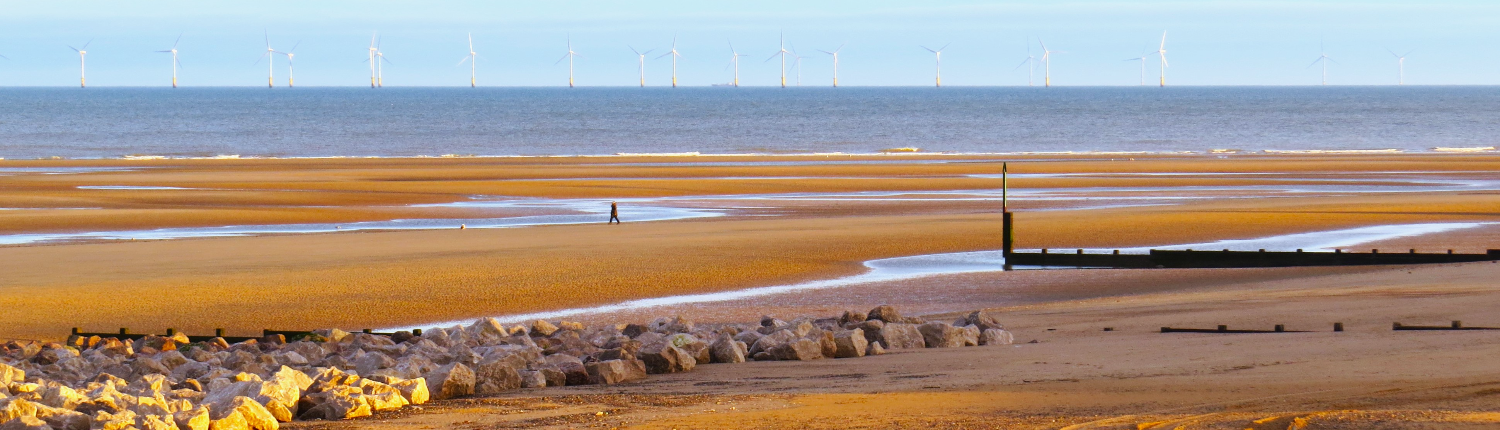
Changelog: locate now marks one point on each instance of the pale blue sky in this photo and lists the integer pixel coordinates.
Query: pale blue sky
(1209, 42)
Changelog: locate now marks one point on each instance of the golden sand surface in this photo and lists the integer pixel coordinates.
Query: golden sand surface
(1076, 376)
(403, 278)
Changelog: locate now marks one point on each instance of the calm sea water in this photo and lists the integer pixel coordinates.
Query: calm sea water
(114, 122)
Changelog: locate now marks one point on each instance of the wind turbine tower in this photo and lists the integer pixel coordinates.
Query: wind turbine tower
(641, 59)
(1046, 64)
(372, 59)
(291, 75)
(797, 65)
(1030, 65)
(1162, 52)
(782, 53)
(82, 75)
(270, 57)
(1142, 59)
(1400, 66)
(472, 58)
(938, 56)
(380, 66)
(175, 63)
(569, 56)
(835, 55)
(675, 55)
(734, 60)
(1322, 58)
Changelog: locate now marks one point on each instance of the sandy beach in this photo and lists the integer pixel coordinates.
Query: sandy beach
(786, 220)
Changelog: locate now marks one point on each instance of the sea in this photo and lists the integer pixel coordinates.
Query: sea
(96, 123)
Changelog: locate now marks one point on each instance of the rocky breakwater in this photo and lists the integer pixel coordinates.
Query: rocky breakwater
(158, 383)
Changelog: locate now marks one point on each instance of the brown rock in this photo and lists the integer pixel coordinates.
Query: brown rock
(452, 380)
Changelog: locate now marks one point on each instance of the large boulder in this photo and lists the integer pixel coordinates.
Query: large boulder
(542, 328)
(414, 390)
(984, 320)
(938, 334)
(382, 397)
(665, 358)
(336, 404)
(496, 376)
(727, 350)
(996, 336)
(254, 415)
(573, 370)
(800, 349)
(901, 336)
(850, 343)
(616, 371)
(192, 419)
(10, 375)
(452, 380)
(772, 340)
(885, 313)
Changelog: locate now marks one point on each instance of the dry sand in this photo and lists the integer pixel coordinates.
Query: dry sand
(1077, 374)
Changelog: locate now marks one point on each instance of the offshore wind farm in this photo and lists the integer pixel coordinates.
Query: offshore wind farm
(376, 61)
(952, 214)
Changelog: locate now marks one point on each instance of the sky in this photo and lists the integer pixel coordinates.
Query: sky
(520, 43)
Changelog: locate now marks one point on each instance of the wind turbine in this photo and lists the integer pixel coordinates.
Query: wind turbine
(291, 76)
(1142, 59)
(641, 58)
(270, 57)
(1046, 64)
(797, 65)
(371, 60)
(1030, 64)
(938, 56)
(1400, 66)
(82, 81)
(835, 55)
(734, 60)
(1162, 52)
(472, 58)
(175, 63)
(673, 53)
(782, 53)
(569, 56)
(1322, 58)
(380, 65)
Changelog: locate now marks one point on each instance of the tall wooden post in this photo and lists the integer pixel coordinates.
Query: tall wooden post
(1007, 226)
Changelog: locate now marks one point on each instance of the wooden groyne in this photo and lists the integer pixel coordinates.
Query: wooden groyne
(1185, 259)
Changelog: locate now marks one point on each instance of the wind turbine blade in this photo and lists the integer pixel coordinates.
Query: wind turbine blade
(945, 46)
(1164, 62)
(840, 48)
(1393, 53)
(1044, 46)
(664, 55)
(632, 49)
(1408, 53)
(86, 44)
(928, 49)
(71, 47)
(4, 57)
(1315, 62)
(773, 57)
(564, 57)
(294, 47)
(179, 39)
(825, 52)
(1027, 61)
(461, 62)
(1163, 40)
(162, 51)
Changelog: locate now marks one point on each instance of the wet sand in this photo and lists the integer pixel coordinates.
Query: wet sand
(406, 278)
(1077, 376)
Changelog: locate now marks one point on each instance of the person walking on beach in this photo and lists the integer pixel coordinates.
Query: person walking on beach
(614, 213)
